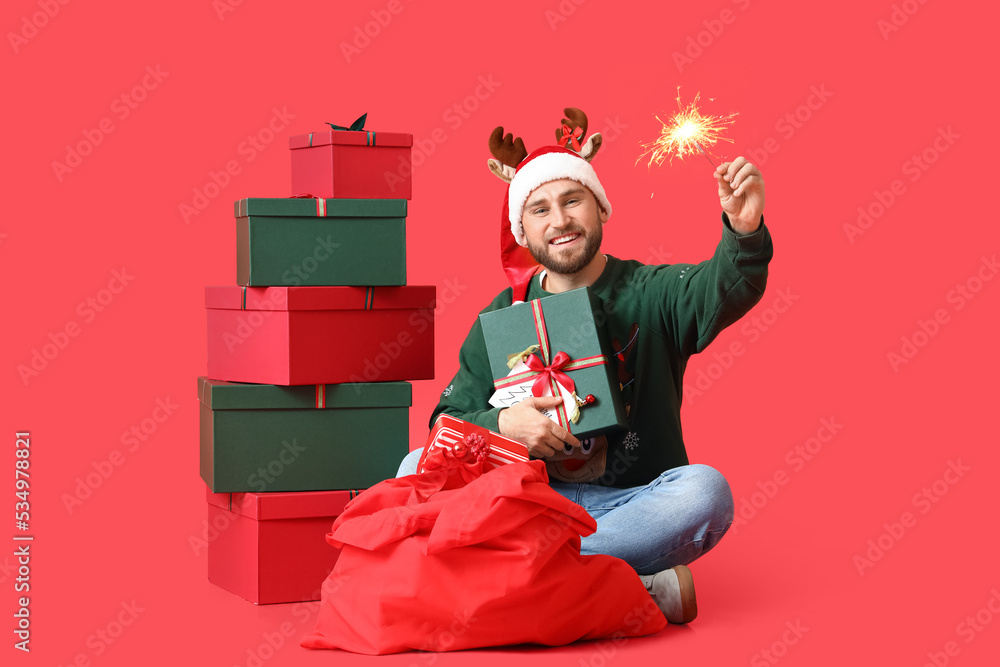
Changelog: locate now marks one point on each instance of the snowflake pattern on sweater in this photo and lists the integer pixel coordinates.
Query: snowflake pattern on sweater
(631, 441)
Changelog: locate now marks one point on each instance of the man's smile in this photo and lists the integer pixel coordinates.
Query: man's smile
(565, 239)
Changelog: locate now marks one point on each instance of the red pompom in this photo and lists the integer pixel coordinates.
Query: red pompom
(478, 446)
(590, 399)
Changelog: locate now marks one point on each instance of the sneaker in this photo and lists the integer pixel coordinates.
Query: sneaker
(673, 592)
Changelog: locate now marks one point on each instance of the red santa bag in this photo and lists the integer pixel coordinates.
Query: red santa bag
(494, 562)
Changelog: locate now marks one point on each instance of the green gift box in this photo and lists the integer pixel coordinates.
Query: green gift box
(262, 438)
(329, 242)
(550, 345)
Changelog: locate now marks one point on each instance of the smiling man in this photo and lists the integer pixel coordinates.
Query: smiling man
(653, 509)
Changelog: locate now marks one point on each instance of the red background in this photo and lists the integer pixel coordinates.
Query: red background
(825, 357)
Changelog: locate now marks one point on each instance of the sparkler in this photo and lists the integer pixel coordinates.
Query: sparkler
(686, 132)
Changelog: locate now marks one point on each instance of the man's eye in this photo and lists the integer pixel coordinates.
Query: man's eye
(572, 201)
(539, 211)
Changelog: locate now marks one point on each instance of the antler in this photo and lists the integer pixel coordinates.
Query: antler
(575, 118)
(507, 149)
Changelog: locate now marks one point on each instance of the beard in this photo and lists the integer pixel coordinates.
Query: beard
(574, 262)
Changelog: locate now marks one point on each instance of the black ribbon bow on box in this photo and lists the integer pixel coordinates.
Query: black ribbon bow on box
(359, 124)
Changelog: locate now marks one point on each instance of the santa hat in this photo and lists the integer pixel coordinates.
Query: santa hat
(523, 173)
(549, 163)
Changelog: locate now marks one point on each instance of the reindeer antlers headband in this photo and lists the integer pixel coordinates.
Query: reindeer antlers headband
(510, 151)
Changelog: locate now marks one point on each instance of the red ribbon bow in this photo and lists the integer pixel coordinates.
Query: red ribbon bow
(479, 449)
(552, 371)
(572, 135)
(467, 458)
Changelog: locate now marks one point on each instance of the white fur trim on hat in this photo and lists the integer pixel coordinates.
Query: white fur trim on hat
(542, 169)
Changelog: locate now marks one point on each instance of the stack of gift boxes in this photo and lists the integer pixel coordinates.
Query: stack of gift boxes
(306, 401)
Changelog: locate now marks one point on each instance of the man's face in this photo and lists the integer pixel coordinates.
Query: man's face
(562, 225)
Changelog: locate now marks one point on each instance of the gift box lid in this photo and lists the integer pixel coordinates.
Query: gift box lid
(283, 505)
(571, 313)
(234, 297)
(311, 207)
(350, 138)
(220, 395)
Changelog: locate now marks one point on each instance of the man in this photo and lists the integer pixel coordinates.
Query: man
(652, 508)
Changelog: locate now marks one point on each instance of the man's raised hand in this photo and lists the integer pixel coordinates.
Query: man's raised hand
(741, 193)
(542, 436)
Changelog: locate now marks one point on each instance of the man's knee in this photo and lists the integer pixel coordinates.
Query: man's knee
(710, 485)
(409, 463)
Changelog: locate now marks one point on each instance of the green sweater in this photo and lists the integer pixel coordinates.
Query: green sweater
(656, 316)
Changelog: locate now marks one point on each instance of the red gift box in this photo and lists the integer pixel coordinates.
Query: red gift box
(271, 547)
(320, 335)
(449, 432)
(351, 164)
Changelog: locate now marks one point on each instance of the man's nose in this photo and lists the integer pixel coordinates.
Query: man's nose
(560, 216)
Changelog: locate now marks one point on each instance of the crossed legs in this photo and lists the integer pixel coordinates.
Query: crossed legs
(673, 520)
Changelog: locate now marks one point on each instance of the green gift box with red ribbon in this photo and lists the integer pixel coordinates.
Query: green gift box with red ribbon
(554, 346)
(320, 242)
(261, 438)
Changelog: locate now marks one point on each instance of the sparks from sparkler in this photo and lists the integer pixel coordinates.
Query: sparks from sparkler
(686, 133)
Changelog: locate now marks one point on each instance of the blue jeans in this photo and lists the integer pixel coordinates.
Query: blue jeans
(673, 520)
